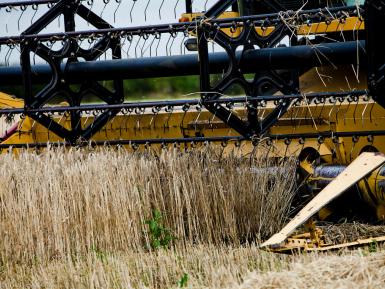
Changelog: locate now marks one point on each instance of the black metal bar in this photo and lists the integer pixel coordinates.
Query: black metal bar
(204, 66)
(25, 76)
(99, 123)
(327, 134)
(92, 18)
(52, 125)
(180, 103)
(195, 140)
(188, 6)
(69, 26)
(27, 3)
(42, 22)
(188, 140)
(235, 7)
(253, 61)
(274, 18)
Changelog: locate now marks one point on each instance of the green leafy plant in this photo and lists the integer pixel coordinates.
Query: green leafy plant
(373, 246)
(182, 283)
(160, 236)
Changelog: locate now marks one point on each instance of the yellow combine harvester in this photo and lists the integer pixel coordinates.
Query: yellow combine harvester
(312, 76)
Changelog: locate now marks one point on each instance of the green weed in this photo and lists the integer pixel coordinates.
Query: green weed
(160, 236)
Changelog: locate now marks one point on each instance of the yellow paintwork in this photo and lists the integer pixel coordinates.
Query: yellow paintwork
(349, 24)
(345, 117)
(7, 101)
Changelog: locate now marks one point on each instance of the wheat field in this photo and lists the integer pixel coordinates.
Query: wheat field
(80, 219)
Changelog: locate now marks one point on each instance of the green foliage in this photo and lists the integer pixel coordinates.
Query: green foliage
(140, 89)
(182, 283)
(160, 87)
(373, 246)
(160, 236)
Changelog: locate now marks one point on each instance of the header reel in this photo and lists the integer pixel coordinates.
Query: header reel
(264, 54)
(310, 79)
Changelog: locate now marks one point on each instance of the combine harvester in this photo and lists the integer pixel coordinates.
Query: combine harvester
(312, 76)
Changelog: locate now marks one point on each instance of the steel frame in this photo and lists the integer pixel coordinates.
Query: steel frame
(247, 39)
(59, 84)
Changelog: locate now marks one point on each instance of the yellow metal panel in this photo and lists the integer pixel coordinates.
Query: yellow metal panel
(350, 24)
(7, 101)
(337, 25)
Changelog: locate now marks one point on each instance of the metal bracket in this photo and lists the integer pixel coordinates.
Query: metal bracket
(58, 60)
(246, 41)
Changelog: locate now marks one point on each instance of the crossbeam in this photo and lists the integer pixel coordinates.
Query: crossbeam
(302, 56)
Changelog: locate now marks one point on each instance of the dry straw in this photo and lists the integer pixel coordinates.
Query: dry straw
(76, 219)
(58, 204)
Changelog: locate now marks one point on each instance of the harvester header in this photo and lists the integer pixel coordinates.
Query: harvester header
(309, 79)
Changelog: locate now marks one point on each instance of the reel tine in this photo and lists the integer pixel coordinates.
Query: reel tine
(223, 145)
(22, 8)
(137, 121)
(298, 107)
(356, 99)
(323, 101)
(119, 2)
(157, 46)
(287, 142)
(160, 9)
(211, 119)
(332, 100)
(340, 100)
(151, 44)
(347, 109)
(173, 36)
(371, 110)
(142, 50)
(168, 41)
(132, 9)
(35, 7)
(255, 143)
(170, 110)
(104, 7)
(155, 111)
(145, 10)
(130, 39)
(129, 111)
(8, 10)
(199, 109)
(185, 108)
(137, 44)
(366, 98)
(176, 5)
(90, 3)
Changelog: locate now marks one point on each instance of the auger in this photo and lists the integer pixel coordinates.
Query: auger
(311, 74)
